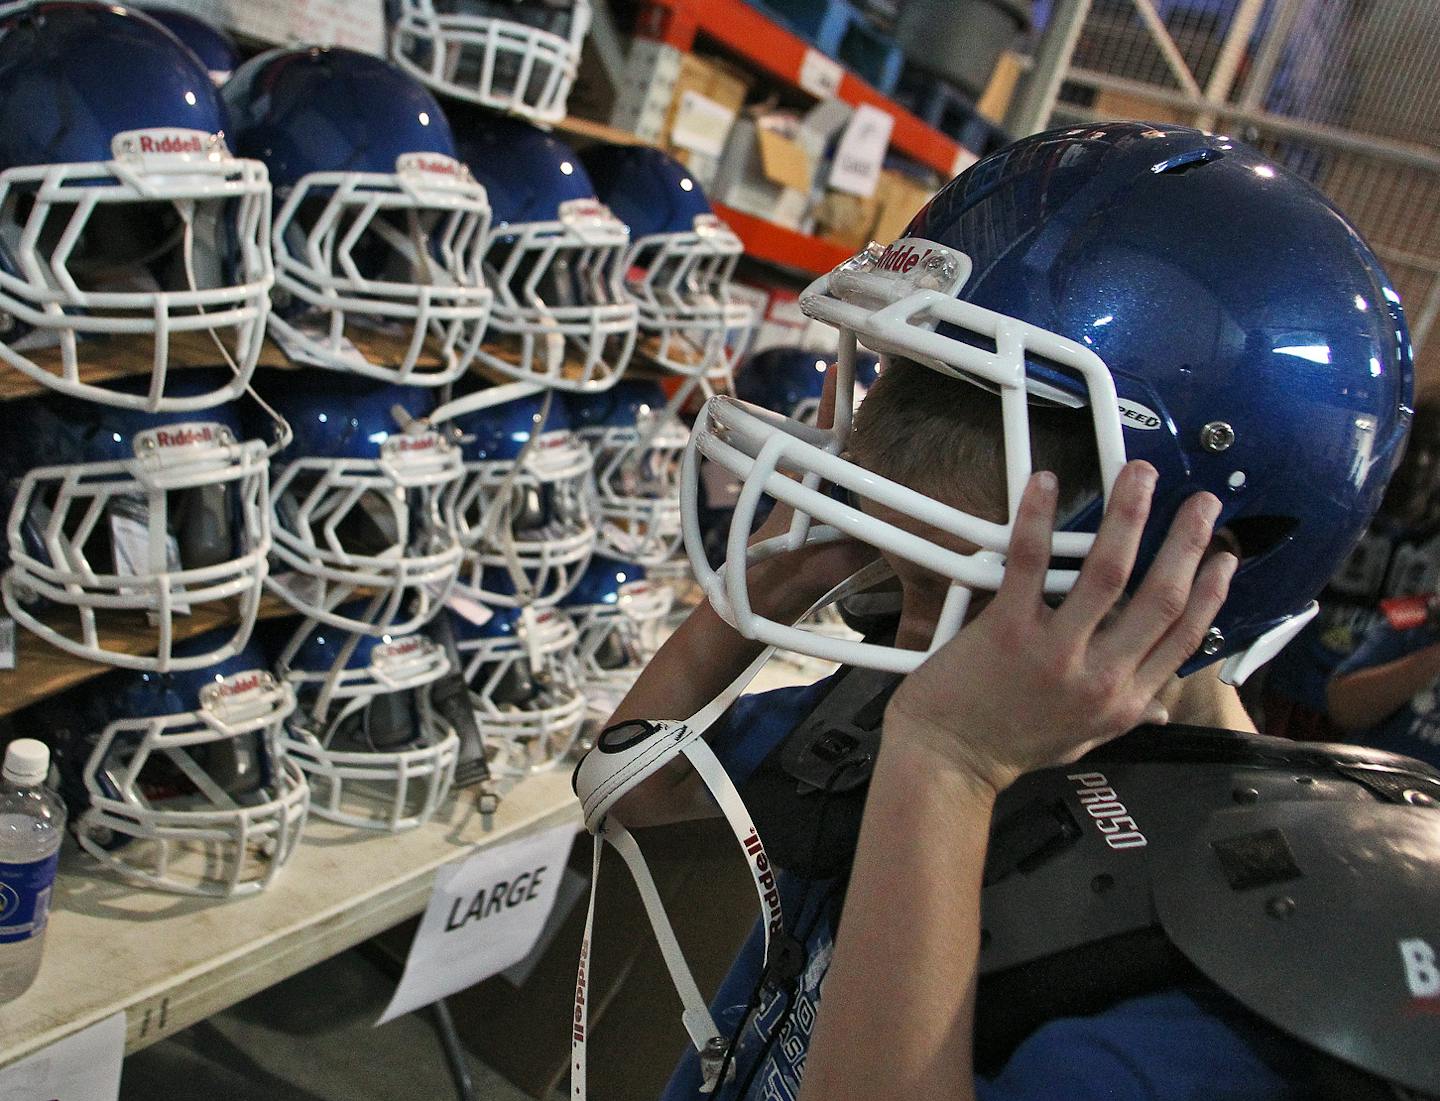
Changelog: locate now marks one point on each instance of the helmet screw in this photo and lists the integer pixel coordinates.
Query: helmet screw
(1281, 906)
(148, 443)
(1217, 436)
(1214, 639)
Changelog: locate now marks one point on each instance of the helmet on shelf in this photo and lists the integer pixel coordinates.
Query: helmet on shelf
(524, 686)
(378, 235)
(113, 510)
(215, 49)
(177, 780)
(122, 213)
(363, 501)
(637, 446)
(553, 257)
(617, 610)
(523, 506)
(519, 56)
(376, 753)
(790, 381)
(680, 262)
(1269, 365)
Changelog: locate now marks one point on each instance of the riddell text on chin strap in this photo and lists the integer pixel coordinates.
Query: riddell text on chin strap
(624, 756)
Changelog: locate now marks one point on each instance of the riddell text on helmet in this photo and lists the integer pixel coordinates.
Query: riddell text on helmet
(171, 143)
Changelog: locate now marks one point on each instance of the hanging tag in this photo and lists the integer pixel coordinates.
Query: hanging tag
(533, 623)
(130, 541)
(340, 349)
(472, 611)
(7, 643)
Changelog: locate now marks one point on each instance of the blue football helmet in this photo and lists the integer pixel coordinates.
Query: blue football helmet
(617, 610)
(525, 686)
(115, 510)
(679, 265)
(523, 505)
(790, 381)
(122, 213)
(376, 753)
(378, 237)
(215, 49)
(553, 257)
(519, 56)
(1268, 363)
(363, 501)
(178, 780)
(637, 446)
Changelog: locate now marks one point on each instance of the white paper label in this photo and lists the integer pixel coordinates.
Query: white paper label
(701, 124)
(130, 540)
(963, 160)
(472, 611)
(84, 1066)
(861, 153)
(485, 913)
(7, 643)
(820, 75)
(340, 349)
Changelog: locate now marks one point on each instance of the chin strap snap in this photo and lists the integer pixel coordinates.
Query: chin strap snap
(624, 756)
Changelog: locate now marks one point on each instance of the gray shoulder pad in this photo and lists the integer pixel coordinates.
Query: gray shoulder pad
(1324, 919)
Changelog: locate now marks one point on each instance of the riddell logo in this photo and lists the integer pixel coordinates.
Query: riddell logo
(184, 437)
(901, 259)
(171, 143)
(755, 850)
(417, 443)
(245, 682)
(579, 1032)
(439, 167)
(401, 647)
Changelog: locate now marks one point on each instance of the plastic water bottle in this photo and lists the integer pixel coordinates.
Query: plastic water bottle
(32, 823)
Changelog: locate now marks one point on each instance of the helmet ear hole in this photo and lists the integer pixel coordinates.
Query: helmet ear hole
(1248, 537)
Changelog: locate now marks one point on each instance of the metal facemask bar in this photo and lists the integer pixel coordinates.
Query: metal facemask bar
(216, 847)
(68, 509)
(536, 733)
(49, 212)
(637, 487)
(681, 284)
(498, 63)
(541, 564)
(412, 486)
(561, 314)
(374, 788)
(627, 754)
(895, 315)
(395, 256)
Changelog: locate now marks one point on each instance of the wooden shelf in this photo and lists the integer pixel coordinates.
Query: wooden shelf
(41, 670)
(169, 961)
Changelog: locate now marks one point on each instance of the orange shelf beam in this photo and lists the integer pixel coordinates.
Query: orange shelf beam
(751, 34)
(776, 244)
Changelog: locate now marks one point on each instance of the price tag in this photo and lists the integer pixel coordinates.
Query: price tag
(472, 611)
(819, 75)
(7, 643)
(340, 349)
(861, 153)
(485, 914)
(130, 540)
(84, 1066)
(701, 124)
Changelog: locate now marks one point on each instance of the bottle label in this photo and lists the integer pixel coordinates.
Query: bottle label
(25, 897)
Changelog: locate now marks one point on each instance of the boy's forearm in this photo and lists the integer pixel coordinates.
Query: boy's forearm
(897, 1014)
(1361, 699)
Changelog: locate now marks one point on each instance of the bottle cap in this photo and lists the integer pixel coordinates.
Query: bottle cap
(27, 762)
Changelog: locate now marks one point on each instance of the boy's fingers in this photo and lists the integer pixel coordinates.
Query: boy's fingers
(1165, 594)
(1028, 556)
(1185, 637)
(1107, 567)
(825, 415)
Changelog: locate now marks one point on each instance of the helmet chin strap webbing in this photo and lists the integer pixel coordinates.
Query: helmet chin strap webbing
(608, 772)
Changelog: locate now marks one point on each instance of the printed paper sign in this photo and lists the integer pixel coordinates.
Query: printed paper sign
(701, 124)
(485, 914)
(82, 1067)
(861, 154)
(819, 75)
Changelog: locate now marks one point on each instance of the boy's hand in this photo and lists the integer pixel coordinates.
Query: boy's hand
(1025, 685)
(786, 585)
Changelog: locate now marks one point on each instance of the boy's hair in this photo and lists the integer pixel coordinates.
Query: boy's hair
(943, 437)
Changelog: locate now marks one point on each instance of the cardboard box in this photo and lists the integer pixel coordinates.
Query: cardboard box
(995, 101)
(769, 162)
(846, 220)
(709, 95)
(899, 198)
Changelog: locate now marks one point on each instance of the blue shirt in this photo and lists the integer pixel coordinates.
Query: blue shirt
(1172, 1046)
(1414, 728)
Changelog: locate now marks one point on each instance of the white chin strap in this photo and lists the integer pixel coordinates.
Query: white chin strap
(636, 750)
